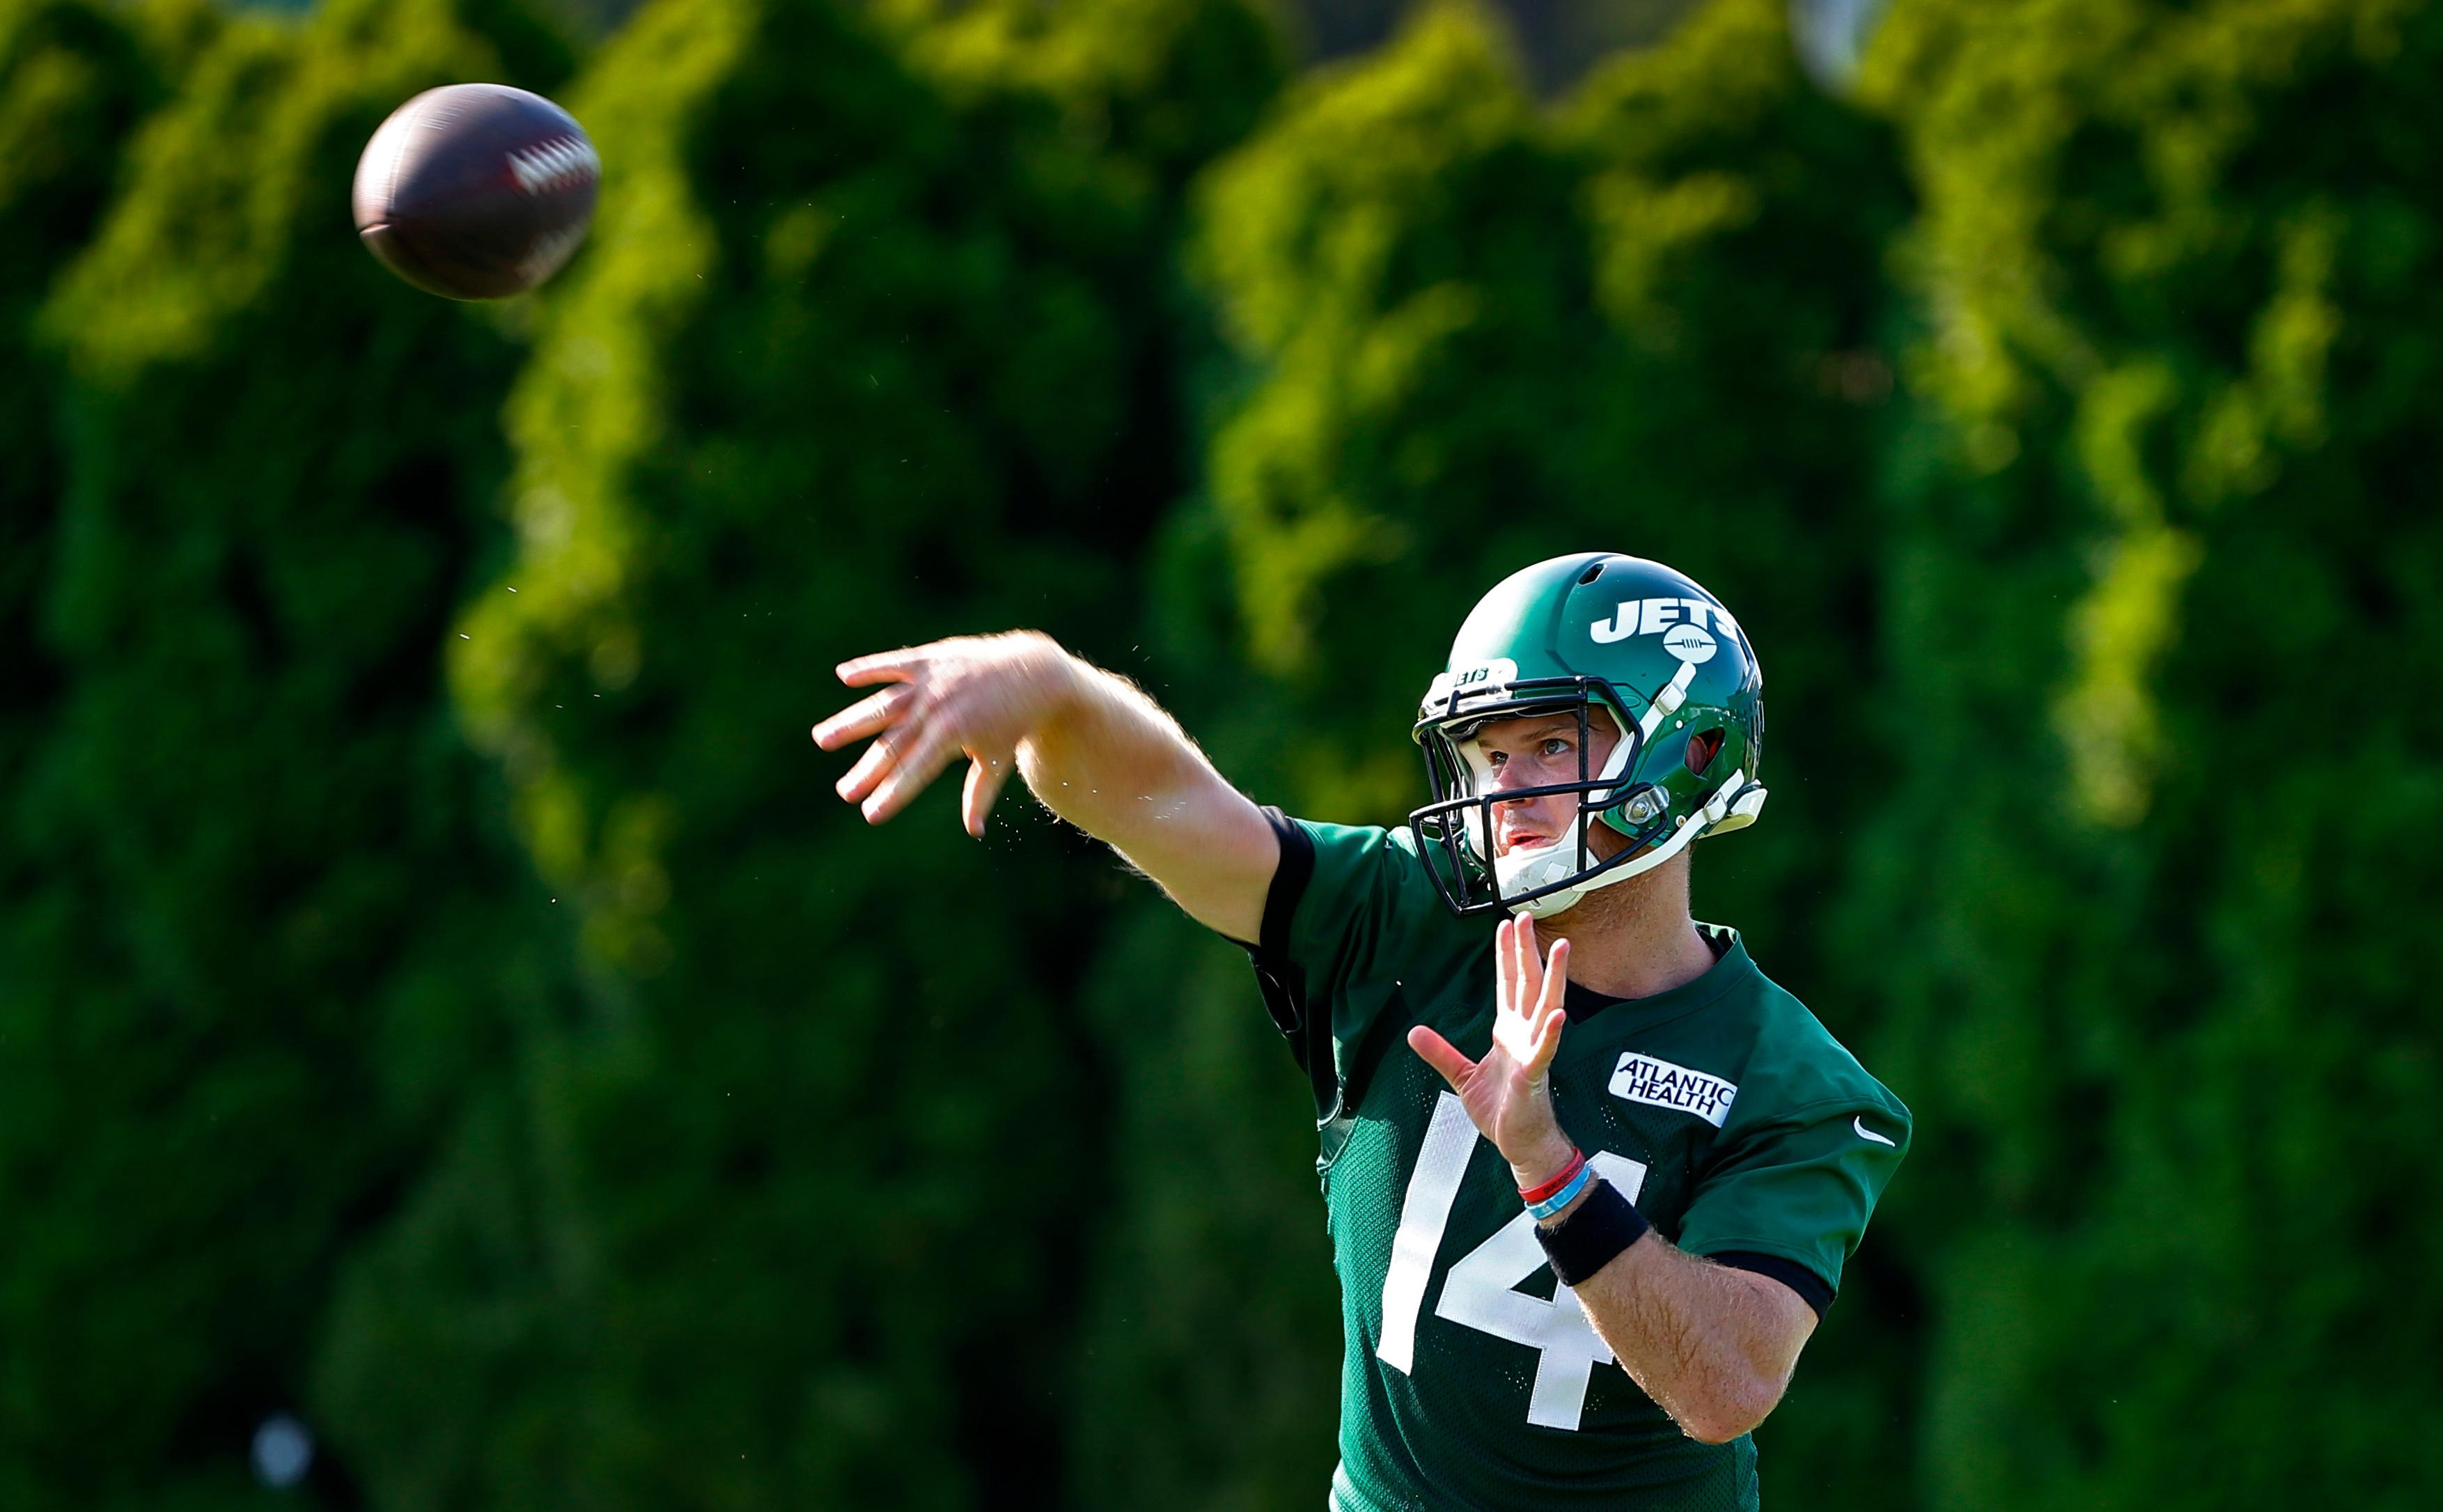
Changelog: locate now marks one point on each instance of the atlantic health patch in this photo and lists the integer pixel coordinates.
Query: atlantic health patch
(1661, 1084)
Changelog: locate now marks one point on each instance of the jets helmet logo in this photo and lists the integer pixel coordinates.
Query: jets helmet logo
(1688, 643)
(1670, 618)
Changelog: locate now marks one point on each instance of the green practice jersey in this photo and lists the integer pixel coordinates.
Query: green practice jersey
(1470, 1377)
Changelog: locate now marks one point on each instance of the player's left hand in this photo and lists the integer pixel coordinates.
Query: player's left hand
(1509, 1093)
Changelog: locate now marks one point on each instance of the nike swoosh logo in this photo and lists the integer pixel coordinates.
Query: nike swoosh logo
(1864, 1133)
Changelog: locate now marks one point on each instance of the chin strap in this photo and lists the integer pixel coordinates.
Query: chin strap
(1733, 805)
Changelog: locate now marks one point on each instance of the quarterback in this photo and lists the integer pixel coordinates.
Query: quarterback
(1590, 1176)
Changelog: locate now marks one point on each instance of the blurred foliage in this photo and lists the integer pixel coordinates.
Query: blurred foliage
(871, 344)
(2143, 900)
(75, 78)
(439, 993)
(1475, 336)
(261, 937)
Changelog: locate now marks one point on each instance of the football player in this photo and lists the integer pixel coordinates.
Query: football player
(1586, 1208)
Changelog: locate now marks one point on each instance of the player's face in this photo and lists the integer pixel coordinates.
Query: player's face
(1538, 751)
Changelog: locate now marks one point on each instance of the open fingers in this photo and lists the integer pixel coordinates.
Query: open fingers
(1520, 973)
(984, 777)
(867, 716)
(1531, 966)
(1557, 981)
(1541, 1050)
(1441, 1055)
(1549, 1016)
(1517, 988)
(917, 767)
(873, 766)
(882, 667)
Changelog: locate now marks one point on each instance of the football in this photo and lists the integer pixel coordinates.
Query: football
(476, 191)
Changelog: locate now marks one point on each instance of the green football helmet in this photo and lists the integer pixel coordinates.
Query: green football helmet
(1589, 633)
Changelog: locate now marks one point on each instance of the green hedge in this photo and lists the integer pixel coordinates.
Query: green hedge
(2145, 898)
(440, 994)
(266, 937)
(75, 80)
(869, 346)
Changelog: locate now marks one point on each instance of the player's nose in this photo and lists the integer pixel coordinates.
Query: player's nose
(1509, 776)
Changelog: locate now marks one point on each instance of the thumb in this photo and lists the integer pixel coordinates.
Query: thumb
(1441, 1055)
(984, 777)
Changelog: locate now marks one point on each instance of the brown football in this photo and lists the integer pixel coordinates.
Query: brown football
(476, 191)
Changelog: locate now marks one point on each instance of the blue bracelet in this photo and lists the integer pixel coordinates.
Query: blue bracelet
(1564, 1196)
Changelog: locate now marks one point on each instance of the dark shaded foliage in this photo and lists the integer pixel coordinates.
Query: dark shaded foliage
(871, 345)
(439, 994)
(2145, 898)
(261, 937)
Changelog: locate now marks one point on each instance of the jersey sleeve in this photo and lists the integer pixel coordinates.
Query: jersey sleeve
(1797, 1184)
(1343, 918)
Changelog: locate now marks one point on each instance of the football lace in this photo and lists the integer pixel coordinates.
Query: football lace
(554, 164)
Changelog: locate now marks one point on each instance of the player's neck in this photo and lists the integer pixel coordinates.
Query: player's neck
(1634, 938)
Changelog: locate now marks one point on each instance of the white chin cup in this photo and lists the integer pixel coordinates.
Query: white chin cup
(1525, 870)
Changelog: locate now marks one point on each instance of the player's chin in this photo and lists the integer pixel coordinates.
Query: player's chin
(1554, 928)
(1562, 921)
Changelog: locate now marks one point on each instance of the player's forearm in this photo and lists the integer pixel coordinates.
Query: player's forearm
(1094, 751)
(1697, 1337)
(1109, 760)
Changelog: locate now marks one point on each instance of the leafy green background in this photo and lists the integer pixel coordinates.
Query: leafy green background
(440, 998)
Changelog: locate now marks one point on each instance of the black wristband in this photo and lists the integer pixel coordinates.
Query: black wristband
(1590, 1238)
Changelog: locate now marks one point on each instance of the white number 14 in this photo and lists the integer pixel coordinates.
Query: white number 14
(1482, 1290)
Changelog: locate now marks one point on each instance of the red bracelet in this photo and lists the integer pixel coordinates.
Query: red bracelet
(1537, 1194)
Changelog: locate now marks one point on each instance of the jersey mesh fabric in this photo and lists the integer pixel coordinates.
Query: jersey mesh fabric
(1470, 1378)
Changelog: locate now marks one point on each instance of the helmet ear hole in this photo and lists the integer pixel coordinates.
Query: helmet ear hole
(1703, 748)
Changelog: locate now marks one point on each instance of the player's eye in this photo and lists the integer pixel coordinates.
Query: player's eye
(1555, 746)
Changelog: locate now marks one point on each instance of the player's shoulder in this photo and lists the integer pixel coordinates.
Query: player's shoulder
(1354, 900)
(1356, 866)
(1354, 845)
(1792, 1065)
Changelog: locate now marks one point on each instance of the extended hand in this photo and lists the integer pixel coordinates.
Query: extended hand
(977, 694)
(1509, 1093)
